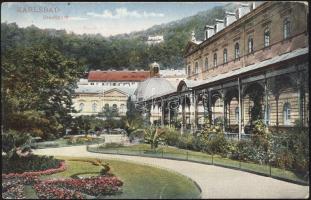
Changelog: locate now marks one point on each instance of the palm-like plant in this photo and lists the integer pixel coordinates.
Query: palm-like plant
(154, 136)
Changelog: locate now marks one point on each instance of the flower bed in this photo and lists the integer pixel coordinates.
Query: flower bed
(62, 167)
(94, 186)
(12, 189)
(48, 191)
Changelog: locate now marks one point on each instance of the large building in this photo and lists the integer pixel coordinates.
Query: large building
(106, 89)
(251, 65)
(113, 88)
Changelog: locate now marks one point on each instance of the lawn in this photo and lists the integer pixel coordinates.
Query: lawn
(140, 181)
(176, 153)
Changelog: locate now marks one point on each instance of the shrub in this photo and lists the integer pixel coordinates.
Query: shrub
(171, 136)
(185, 141)
(105, 169)
(285, 160)
(112, 145)
(218, 145)
(31, 163)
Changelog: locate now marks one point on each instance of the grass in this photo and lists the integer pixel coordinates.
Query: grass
(173, 152)
(140, 181)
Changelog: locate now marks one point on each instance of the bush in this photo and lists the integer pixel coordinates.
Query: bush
(112, 145)
(185, 141)
(171, 136)
(218, 145)
(31, 163)
(105, 169)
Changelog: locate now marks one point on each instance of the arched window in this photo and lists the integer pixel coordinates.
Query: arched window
(266, 37)
(94, 107)
(287, 113)
(81, 106)
(189, 70)
(286, 28)
(236, 113)
(206, 63)
(236, 50)
(196, 68)
(215, 59)
(250, 45)
(267, 115)
(225, 56)
(114, 107)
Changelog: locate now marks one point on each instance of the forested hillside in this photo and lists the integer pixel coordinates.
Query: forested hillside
(126, 51)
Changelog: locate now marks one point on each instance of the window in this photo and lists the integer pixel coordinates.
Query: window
(236, 112)
(189, 70)
(236, 51)
(114, 84)
(106, 106)
(92, 83)
(286, 28)
(206, 63)
(196, 69)
(250, 45)
(122, 107)
(266, 37)
(81, 106)
(287, 113)
(103, 83)
(225, 56)
(114, 107)
(215, 59)
(94, 107)
(267, 115)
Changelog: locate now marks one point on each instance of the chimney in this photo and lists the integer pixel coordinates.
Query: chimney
(193, 36)
(229, 18)
(209, 31)
(243, 10)
(219, 25)
(253, 5)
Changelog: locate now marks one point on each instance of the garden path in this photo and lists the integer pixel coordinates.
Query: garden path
(215, 182)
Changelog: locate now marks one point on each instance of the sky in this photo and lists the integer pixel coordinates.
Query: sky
(106, 18)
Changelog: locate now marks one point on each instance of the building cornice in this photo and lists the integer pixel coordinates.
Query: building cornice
(229, 28)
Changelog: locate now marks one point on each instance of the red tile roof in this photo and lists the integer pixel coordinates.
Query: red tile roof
(118, 75)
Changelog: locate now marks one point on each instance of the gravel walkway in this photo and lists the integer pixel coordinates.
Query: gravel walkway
(215, 182)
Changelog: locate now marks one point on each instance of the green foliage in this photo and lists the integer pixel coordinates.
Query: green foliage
(117, 52)
(11, 140)
(154, 136)
(111, 145)
(185, 141)
(171, 136)
(105, 169)
(30, 163)
(260, 135)
(37, 86)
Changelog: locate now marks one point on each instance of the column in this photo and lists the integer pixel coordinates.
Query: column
(195, 101)
(183, 122)
(240, 109)
(169, 113)
(210, 106)
(162, 112)
(300, 101)
(191, 112)
(266, 103)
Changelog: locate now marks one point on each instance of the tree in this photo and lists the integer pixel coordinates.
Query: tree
(39, 81)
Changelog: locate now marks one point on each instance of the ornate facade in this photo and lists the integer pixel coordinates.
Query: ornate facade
(251, 65)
